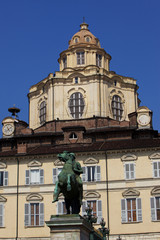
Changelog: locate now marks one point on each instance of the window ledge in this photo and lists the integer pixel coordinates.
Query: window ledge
(130, 180)
(131, 222)
(33, 226)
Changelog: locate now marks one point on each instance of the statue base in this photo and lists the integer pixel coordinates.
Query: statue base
(69, 227)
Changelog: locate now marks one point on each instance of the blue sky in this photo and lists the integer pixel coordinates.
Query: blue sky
(34, 32)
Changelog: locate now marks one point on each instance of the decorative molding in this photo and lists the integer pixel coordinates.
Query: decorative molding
(2, 199)
(34, 163)
(155, 191)
(34, 197)
(3, 165)
(92, 195)
(91, 160)
(58, 163)
(130, 192)
(129, 157)
(155, 155)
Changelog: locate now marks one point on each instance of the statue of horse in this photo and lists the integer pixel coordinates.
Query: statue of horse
(69, 183)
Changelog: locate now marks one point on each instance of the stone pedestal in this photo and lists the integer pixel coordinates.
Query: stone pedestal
(69, 227)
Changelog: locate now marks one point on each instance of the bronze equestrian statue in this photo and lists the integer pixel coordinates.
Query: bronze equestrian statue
(69, 183)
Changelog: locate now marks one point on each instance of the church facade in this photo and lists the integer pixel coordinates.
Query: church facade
(87, 109)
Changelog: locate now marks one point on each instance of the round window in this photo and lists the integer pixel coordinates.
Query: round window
(76, 105)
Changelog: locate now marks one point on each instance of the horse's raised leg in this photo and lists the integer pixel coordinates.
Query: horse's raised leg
(69, 182)
(56, 193)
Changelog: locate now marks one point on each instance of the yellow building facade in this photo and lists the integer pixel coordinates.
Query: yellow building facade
(87, 109)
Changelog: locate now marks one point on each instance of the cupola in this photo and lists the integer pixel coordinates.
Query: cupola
(84, 37)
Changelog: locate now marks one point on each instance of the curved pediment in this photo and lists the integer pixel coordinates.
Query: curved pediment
(131, 193)
(129, 157)
(58, 163)
(34, 197)
(2, 165)
(90, 160)
(2, 199)
(34, 163)
(155, 191)
(92, 195)
(155, 155)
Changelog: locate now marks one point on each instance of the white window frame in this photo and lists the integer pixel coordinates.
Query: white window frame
(1, 215)
(27, 214)
(81, 58)
(98, 60)
(97, 173)
(124, 210)
(5, 178)
(28, 179)
(130, 174)
(156, 172)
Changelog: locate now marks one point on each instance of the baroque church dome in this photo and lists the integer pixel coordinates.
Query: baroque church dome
(84, 37)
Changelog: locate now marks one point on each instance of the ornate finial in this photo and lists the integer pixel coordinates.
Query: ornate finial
(103, 230)
(83, 19)
(90, 217)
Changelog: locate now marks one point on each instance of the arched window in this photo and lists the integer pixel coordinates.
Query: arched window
(76, 105)
(42, 114)
(117, 107)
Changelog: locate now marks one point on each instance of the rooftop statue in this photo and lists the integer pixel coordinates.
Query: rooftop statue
(69, 183)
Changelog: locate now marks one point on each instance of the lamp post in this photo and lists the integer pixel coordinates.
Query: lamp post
(103, 230)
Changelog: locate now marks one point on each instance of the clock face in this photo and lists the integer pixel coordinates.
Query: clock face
(143, 119)
(8, 129)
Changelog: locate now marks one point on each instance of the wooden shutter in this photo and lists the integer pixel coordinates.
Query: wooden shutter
(84, 174)
(139, 209)
(155, 170)
(123, 211)
(126, 171)
(99, 210)
(98, 173)
(84, 205)
(1, 215)
(27, 177)
(41, 214)
(132, 172)
(27, 214)
(153, 209)
(5, 180)
(41, 176)
(55, 171)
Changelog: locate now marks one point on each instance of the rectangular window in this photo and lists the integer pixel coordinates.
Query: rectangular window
(155, 208)
(80, 58)
(131, 210)
(3, 178)
(64, 62)
(56, 172)
(156, 169)
(91, 174)
(1, 215)
(34, 176)
(96, 206)
(129, 171)
(34, 214)
(99, 60)
(76, 80)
